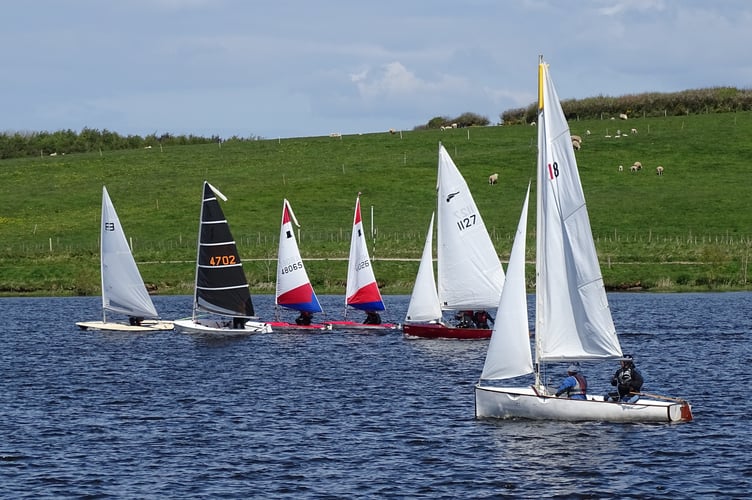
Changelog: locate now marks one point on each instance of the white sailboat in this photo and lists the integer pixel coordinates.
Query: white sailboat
(294, 290)
(362, 291)
(424, 302)
(222, 303)
(572, 318)
(123, 289)
(470, 276)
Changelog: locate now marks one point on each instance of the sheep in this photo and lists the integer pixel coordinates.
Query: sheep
(637, 165)
(532, 124)
(577, 138)
(576, 145)
(392, 131)
(621, 168)
(53, 154)
(493, 179)
(659, 170)
(633, 168)
(454, 125)
(623, 116)
(634, 130)
(587, 132)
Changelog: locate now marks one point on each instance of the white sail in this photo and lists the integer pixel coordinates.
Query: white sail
(470, 275)
(509, 349)
(424, 301)
(123, 289)
(573, 319)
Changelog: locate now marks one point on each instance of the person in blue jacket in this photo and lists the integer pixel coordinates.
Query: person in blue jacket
(575, 385)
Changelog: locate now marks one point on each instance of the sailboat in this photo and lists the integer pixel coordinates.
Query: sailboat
(573, 321)
(470, 276)
(123, 289)
(222, 303)
(362, 290)
(294, 289)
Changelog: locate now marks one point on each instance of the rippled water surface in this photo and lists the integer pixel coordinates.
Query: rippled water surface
(355, 415)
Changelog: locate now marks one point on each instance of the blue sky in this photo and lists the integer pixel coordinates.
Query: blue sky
(286, 68)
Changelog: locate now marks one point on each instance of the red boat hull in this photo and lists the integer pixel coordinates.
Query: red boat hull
(438, 331)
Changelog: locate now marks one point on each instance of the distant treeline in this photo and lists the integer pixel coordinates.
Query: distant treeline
(699, 101)
(24, 144)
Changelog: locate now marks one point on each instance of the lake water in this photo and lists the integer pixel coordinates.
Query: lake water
(354, 415)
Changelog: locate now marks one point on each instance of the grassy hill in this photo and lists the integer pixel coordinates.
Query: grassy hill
(687, 229)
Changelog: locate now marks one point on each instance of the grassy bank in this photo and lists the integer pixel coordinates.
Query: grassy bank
(689, 229)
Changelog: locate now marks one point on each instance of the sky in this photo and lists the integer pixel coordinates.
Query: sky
(284, 68)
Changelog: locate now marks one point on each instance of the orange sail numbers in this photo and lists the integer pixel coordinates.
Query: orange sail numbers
(222, 260)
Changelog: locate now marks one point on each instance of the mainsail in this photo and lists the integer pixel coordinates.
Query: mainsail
(362, 291)
(294, 290)
(123, 289)
(573, 319)
(470, 275)
(221, 285)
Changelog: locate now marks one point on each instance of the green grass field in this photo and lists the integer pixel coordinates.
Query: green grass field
(689, 229)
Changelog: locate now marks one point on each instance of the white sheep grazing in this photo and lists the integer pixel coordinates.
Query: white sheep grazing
(623, 116)
(493, 178)
(576, 145)
(633, 168)
(577, 138)
(532, 124)
(659, 170)
(637, 165)
(621, 168)
(587, 132)
(634, 130)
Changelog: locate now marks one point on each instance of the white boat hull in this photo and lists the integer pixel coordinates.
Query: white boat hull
(523, 402)
(219, 327)
(145, 326)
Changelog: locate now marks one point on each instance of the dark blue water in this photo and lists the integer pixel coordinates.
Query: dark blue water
(167, 415)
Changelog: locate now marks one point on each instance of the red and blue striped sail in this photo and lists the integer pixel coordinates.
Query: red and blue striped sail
(362, 290)
(294, 290)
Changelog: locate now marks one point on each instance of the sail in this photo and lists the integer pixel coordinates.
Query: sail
(424, 301)
(573, 319)
(294, 290)
(362, 291)
(508, 353)
(123, 289)
(469, 271)
(221, 285)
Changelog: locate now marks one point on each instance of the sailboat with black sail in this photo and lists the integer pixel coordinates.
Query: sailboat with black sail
(123, 289)
(222, 302)
(573, 321)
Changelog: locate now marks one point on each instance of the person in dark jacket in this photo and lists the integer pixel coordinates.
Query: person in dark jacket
(372, 318)
(628, 381)
(304, 319)
(575, 385)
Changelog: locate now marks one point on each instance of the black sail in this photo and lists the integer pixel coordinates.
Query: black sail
(221, 285)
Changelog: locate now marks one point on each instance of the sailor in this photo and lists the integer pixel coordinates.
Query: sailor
(304, 318)
(465, 319)
(628, 381)
(575, 385)
(480, 318)
(372, 318)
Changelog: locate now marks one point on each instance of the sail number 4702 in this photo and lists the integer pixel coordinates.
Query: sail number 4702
(222, 260)
(466, 222)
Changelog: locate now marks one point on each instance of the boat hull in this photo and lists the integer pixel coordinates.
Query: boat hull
(285, 327)
(439, 331)
(145, 326)
(525, 403)
(219, 327)
(353, 325)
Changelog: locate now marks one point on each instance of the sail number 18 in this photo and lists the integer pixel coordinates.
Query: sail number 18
(553, 170)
